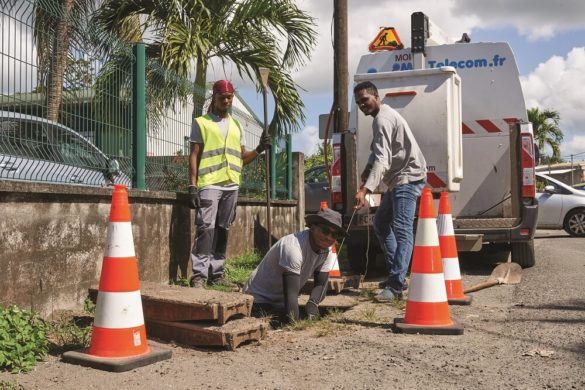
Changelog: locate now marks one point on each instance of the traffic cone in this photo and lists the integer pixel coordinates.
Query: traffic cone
(335, 272)
(427, 309)
(118, 339)
(453, 283)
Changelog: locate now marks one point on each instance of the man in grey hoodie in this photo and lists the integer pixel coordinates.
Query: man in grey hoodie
(396, 159)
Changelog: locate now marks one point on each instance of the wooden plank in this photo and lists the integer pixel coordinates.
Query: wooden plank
(230, 335)
(176, 303)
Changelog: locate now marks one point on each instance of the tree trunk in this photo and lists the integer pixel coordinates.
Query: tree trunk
(200, 86)
(58, 62)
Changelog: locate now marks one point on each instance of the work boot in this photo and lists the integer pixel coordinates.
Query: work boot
(197, 282)
(388, 295)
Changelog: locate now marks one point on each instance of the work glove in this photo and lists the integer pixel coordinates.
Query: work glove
(312, 310)
(194, 199)
(265, 142)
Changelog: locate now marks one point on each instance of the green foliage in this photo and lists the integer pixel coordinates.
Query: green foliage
(238, 269)
(545, 125)
(11, 386)
(183, 282)
(23, 339)
(319, 157)
(89, 306)
(69, 332)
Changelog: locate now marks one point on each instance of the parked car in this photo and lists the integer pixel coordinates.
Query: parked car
(36, 149)
(560, 206)
(316, 188)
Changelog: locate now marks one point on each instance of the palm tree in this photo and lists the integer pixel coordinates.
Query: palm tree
(545, 125)
(249, 34)
(58, 24)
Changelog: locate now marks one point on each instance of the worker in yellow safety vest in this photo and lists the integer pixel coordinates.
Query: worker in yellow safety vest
(217, 154)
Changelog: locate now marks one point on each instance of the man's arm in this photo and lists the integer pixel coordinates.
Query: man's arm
(248, 155)
(317, 294)
(291, 285)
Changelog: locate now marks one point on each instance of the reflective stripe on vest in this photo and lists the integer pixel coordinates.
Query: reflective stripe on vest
(221, 159)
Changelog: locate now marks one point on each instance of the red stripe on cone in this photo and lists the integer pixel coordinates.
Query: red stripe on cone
(119, 274)
(120, 211)
(433, 265)
(106, 342)
(427, 313)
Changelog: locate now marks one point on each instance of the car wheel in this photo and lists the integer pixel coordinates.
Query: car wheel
(575, 223)
(523, 253)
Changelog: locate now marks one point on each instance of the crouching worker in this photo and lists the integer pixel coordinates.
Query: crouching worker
(278, 279)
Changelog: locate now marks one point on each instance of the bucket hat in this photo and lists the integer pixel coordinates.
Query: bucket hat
(327, 217)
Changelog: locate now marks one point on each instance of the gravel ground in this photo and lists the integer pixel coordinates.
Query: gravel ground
(526, 336)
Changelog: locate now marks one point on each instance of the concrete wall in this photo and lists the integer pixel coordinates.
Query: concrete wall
(52, 238)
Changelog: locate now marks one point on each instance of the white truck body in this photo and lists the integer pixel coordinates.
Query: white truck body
(466, 109)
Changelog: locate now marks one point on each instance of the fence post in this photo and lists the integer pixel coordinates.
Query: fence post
(289, 164)
(139, 117)
(273, 169)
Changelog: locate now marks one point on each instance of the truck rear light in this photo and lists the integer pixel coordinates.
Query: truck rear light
(524, 232)
(527, 163)
(336, 195)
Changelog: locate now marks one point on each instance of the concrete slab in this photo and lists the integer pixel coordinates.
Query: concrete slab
(230, 335)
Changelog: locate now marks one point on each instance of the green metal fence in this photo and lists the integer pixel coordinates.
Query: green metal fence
(106, 123)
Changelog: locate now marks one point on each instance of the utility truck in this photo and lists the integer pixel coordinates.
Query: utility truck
(464, 103)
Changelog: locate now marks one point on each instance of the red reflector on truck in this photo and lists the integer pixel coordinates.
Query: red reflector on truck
(524, 232)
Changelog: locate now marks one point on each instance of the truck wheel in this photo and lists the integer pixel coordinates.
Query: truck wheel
(575, 223)
(523, 253)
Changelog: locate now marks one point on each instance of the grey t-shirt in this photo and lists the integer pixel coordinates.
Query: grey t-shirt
(395, 155)
(292, 253)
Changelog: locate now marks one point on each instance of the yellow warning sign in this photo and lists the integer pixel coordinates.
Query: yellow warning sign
(387, 39)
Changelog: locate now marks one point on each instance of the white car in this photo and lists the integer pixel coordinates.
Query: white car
(560, 206)
(38, 150)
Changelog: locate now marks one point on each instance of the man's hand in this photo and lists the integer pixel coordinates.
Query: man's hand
(194, 199)
(360, 198)
(265, 142)
(312, 310)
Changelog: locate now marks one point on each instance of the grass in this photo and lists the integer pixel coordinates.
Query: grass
(324, 326)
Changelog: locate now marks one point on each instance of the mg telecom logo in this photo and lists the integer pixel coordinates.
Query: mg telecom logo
(466, 63)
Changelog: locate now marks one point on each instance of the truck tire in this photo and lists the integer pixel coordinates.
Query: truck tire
(574, 223)
(523, 253)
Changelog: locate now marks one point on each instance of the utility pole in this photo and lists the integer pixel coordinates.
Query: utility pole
(340, 72)
(340, 86)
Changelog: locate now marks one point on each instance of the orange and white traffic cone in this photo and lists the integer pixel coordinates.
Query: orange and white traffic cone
(453, 283)
(427, 309)
(118, 339)
(335, 272)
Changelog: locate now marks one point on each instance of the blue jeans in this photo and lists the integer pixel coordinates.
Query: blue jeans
(393, 225)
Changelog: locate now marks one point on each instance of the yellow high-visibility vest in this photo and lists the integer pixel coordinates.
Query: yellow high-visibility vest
(221, 159)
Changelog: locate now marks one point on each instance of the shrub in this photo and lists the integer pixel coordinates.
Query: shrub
(23, 339)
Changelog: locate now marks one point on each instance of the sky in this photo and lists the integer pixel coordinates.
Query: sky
(548, 39)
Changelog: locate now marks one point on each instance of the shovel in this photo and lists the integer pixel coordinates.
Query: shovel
(506, 273)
